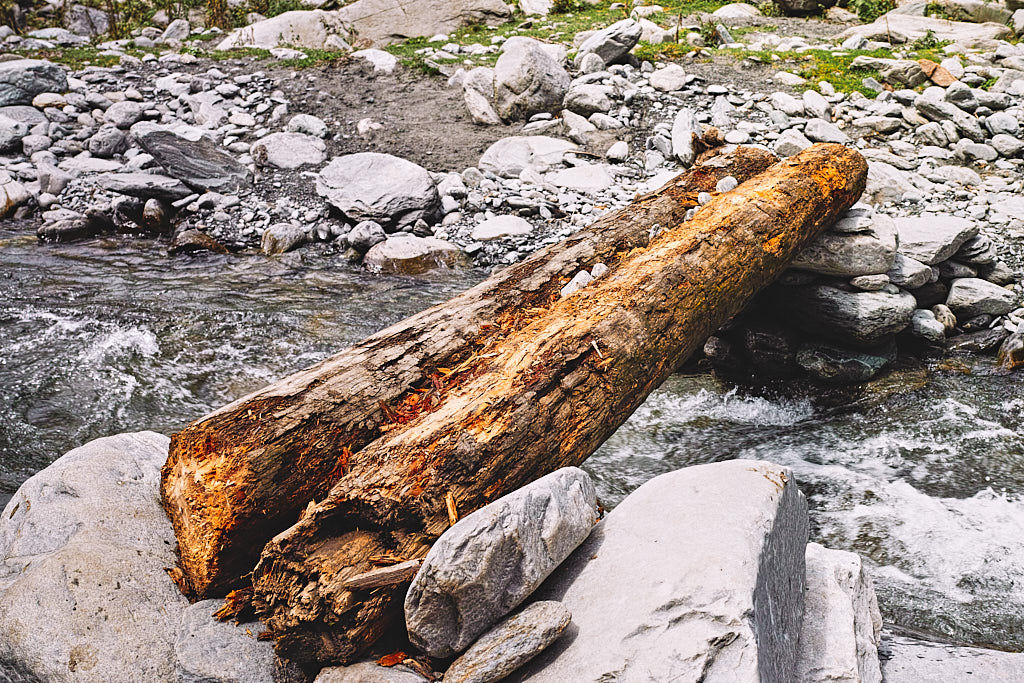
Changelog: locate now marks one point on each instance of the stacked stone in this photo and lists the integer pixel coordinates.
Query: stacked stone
(929, 282)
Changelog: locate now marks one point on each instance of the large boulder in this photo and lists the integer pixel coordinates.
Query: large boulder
(289, 150)
(972, 296)
(84, 595)
(903, 28)
(931, 238)
(863, 319)
(510, 156)
(198, 162)
(696, 575)
(869, 251)
(370, 186)
(841, 625)
(86, 21)
(315, 29)
(406, 254)
(527, 81)
(23, 79)
(485, 565)
(613, 43)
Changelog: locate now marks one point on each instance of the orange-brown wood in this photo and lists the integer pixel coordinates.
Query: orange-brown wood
(542, 394)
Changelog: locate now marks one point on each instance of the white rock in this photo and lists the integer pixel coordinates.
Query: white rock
(501, 226)
(588, 178)
(672, 77)
(508, 157)
(685, 129)
(382, 61)
(289, 150)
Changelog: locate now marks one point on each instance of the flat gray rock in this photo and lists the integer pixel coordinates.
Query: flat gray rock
(200, 163)
(144, 185)
(510, 156)
(971, 296)
(909, 660)
(23, 79)
(510, 644)
(841, 626)
(860, 318)
(696, 575)
(212, 651)
(611, 44)
(406, 254)
(849, 254)
(485, 565)
(289, 150)
(931, 239)
(379, 187)
(83, 547)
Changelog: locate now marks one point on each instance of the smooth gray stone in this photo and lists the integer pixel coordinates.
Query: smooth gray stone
(971, 296)
(23, 79)
(510, 156)
(485, 565)
(108, 141)
(819, 130)
(839, 365)
(932, 239)
(25, 113)
(851, 254)
(613, 43)
(368, 672)
(212, 651)
(124, 114)
(926, 326)
(510, 644)
(527, 81)
(83, 547)
(406, 254)
(842, 623)
(379, 187)
(144, 185)
(11, 134)
(696, 575)
(588, 98)
(909, 273)
(282, 237)
(909, 660)
(289, 150)
(201, 164)
(685, 128)
(86, 21)
(862, 319)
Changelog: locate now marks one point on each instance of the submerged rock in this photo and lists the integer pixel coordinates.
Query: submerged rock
(406, 254)
(696, 575)
(490, 561)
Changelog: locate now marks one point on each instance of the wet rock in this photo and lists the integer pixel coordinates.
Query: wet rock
(501, 226)
(510, 644)
(842, 624)
(211, 651)
(1011, 352)
(192, 241)
(850, 254)
(83, 546)
(972, 296)
(509, 157)
(839, 365)
(67, 226)
(379, 187)
(527, 81)
(682, 580)
(144, 185)
(490, 561)
(926, 327)
(613, 43)
(860, 318)
(909, 660)
(12, 194)
(289, 150)
(282, 237)
(982, 341)
(368, 672)
(406, 254)
(932, 239)
(199, 163)
(23, 79)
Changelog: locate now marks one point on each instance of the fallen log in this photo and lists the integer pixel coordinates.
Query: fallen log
(238, 476)
(540, 397)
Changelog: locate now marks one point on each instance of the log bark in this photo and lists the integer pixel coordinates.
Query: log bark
(238, 476)
(540, 396)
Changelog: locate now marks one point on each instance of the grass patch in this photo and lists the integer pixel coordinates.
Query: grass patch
(76, 58)
(819, 65)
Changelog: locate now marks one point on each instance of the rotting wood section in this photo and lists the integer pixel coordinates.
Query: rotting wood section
(544, 396)
(238, 476)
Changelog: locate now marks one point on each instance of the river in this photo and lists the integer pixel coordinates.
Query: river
(923, 476)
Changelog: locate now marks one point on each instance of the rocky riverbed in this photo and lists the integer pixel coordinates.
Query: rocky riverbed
(364, 164)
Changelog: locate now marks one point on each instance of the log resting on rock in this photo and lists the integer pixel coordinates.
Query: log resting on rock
(539, 395)
(238, 476)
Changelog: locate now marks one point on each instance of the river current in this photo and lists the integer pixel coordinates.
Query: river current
(924, 476)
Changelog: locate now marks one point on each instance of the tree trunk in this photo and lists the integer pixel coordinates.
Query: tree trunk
(538, 395)
(238, 476)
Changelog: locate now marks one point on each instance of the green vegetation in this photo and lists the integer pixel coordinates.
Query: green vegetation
(929, 42)
(869, 10)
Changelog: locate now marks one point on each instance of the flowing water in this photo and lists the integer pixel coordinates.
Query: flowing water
(923, 478)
